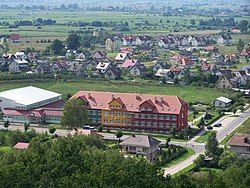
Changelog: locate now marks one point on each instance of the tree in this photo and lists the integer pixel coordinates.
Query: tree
(119, 134)
(74, 114)
(52, 130)
(6, 124)
(167, 142)
(73, 41)
(202, 122)
(173, 131)
(57, 47)
(26, 126)
(68, 96)
(199, 161)
(192, 21)
(99, 129)
(240, 45)
(227, 158)
(212, 145)
(243, 25)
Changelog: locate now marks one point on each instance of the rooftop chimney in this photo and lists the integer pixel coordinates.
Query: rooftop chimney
(89, 95)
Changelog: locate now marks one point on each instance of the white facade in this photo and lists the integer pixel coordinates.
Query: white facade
(222, 102)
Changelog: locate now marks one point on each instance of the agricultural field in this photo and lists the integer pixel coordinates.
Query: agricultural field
(188, 93)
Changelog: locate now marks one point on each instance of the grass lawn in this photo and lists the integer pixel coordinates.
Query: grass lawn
(204, 137)
(204, 169)
(191, 116)
(185, 170)
(181, 158)
(187, 93)
(243, 129)
(5, 149)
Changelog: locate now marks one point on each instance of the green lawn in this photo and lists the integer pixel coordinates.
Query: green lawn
(5, 149)
(204, 137)
(188, 93)
(243, 129)
(181, 158)
(191, 116)
(185, 170)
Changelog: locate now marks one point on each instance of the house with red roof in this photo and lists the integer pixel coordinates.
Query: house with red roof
(129, 63)
(21, 145)
(131, 111)
(15, 38)
(185, 62)
(208, 67)
(240, 144)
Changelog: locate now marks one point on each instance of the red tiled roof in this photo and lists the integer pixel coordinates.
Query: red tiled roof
(129, 63)
(131, 101)
(14, 37)
(21, 145)
(239, 141)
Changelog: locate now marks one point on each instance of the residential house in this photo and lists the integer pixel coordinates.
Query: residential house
(185, 62)
(159, 65)
(102, 67)
(224, 40)
(13, 67)
(211, 49)
(144, 40)
(33, 56)
(166, 43)
(178, 72)
(129, 40)
(113, 43)
(245, 53)
(42, 67)
(113, 73)
(20, 55)
(222, 102)
(21, 145)
(121, 58)
(129, 63)
(129, 51)
(164, 73)
(99, 55)
(138, 70)
(218, 58)
(22, 64)
(71, 53)
(144, 145)
(81, 56)
(244, 77)
(227, 83)
(209, 67)
(90, 64)
(240, 144)
(59, 67)
(77, 69)
(15, 38)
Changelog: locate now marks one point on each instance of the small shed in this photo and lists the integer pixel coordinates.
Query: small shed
(222, 102)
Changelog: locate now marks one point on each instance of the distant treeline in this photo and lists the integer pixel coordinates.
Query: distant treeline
(37, 22)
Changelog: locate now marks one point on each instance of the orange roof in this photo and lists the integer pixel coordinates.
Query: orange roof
(131, 101)
(21, 145)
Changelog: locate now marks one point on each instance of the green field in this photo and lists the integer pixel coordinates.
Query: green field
(188, 93)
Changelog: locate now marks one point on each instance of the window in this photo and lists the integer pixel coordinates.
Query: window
(132, 148)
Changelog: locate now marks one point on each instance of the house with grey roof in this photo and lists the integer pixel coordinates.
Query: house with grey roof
(144, 145)
(222, 102)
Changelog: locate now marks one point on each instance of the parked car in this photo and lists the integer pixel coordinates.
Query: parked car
(217, 125)
(86, 127)
(209, 127)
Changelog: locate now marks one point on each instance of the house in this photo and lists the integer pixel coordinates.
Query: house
(121, 58)
(244, 77)
(132, 111)
(159, 65)
(113, 73)
(102, 67)
(222, 102)
(99, 55)
(59, 67)
(33, 56)
(20, 55)
(240, 144)
(71, 53)
(77, 69)
(129, 51)
(185, 62)
(21, 145)
(165, 73)
(218, 58)
(178, 72)
(13, 67)
(209, 67)
(129, 40)
(113, 43)
(90, 64)
(144, 145)
(22, 64)
(81, 56)
(227, 83)
(42, 67)
(166, 43)
(235, 30)
(15, 38)
(211, 49)
(138, 70)
(144, 40)
(224, 40)
(129, 63)
(245, 53)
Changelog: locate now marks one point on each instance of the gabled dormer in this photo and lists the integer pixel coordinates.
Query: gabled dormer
(147, 106)
(116, 103)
